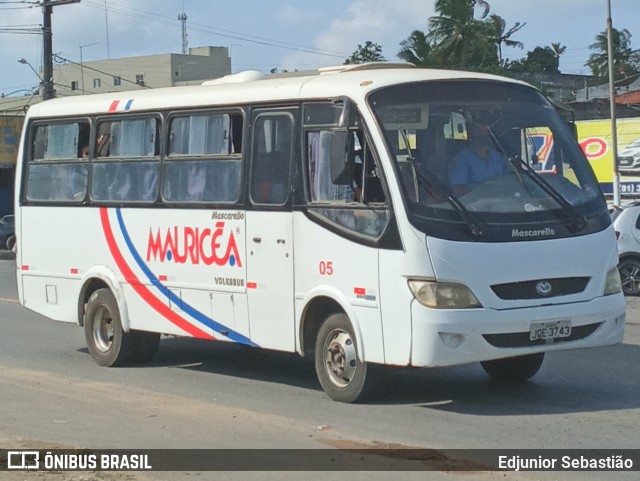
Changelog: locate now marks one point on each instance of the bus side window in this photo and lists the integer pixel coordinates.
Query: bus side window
(55, 171)
(127, 165)
(203, 163)
(271, 159)
(358, 207)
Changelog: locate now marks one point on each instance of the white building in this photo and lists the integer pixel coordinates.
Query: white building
(152, 71)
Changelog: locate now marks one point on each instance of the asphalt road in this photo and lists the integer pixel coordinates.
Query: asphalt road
(198, 394)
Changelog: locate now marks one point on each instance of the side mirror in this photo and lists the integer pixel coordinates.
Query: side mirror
(349, 116)
(342, 164)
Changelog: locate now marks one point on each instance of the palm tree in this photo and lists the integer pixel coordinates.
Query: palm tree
(417, 50)
(482, 4)
(497, 26)
(625, 60)
(558, 49)
(460, 40)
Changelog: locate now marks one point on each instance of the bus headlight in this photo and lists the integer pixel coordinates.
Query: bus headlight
(443, 295)
(613, 285)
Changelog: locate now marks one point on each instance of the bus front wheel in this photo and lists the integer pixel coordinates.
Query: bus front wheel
(514, 369)
(341, 374)
(108, 344)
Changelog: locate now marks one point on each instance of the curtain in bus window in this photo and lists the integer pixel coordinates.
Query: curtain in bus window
(125, 181)
(347, 210)
(62, 141)
(179, 136)
(200, 135)
(209, 135)
(223, 181)
(133, 138)
(218, 138)
(56, 173)
(202, 180)
(197, 135)
(57, 182)
(322, 189)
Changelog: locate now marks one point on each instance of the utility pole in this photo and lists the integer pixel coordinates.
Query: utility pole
(47, 44)
(612, 104)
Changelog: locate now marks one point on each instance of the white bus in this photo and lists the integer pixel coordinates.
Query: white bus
(315, 213)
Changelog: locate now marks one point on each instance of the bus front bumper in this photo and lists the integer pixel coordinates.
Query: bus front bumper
(449, 337)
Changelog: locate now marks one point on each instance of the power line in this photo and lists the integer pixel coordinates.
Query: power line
(22, 105)
(24, 5)
(162, 19)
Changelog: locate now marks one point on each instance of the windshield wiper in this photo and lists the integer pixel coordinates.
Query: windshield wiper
(420, 178)
(463, 212)
(579, 221)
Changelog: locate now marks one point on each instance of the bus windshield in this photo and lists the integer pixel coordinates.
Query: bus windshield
(487, 160)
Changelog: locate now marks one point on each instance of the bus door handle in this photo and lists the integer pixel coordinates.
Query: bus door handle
(257, 240)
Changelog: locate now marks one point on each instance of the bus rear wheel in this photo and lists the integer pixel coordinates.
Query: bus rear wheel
(341, 374)
(108, 344)
(514, 369)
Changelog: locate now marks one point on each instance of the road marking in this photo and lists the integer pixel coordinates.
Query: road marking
(4, 299)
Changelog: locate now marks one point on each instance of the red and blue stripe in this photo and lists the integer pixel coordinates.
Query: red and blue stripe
(199, 321)
(117, 107)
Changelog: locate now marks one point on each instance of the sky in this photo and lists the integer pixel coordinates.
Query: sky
(283, 34)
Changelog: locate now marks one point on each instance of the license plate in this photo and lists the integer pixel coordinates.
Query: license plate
(549, 330)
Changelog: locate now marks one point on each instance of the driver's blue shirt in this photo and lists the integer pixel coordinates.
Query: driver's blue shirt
(469, 169)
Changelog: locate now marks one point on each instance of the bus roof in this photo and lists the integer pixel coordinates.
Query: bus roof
(246, 87)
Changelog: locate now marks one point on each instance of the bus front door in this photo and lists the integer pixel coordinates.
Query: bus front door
(269, 230)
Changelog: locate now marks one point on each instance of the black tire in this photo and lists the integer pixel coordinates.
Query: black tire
(108, 344)
(514, 369)
(629, 270)
(147, 345)
(341, 374)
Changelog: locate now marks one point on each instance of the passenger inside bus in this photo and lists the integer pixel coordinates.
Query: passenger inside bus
(476, 163)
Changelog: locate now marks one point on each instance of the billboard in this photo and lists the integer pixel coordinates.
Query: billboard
(594, 137)
(10, 128)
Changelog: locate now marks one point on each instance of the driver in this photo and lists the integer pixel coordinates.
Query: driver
(476, 163)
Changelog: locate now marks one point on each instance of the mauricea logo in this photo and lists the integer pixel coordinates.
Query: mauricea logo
(195, 245)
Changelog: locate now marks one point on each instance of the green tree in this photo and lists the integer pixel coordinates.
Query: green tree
(370, 52)
(625, 60)
(417, 50)
(538, 60)
(500, 35)
(460, 39)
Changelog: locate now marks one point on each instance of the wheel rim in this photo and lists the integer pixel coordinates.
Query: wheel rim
(103, 329)
(630, 276)
(341, 360)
